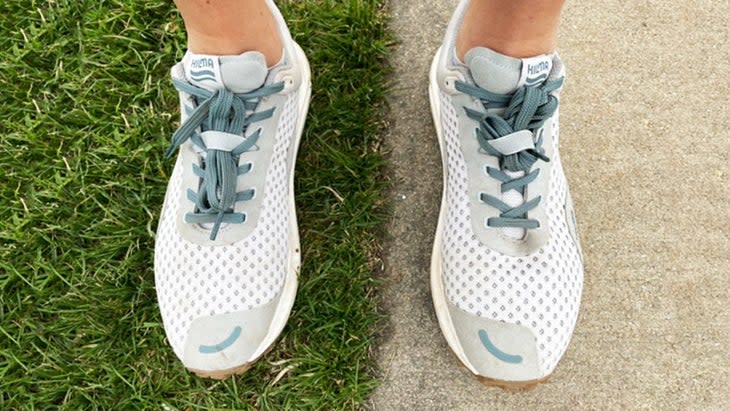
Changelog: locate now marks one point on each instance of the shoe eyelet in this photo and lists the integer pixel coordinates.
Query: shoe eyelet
(450, 84)
(288, 83)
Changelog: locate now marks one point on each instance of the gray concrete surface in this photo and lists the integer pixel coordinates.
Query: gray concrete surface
(645, 126)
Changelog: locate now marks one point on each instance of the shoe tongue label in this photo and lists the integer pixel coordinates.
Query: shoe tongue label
(535, 70)
(204, 71)
(240, 74)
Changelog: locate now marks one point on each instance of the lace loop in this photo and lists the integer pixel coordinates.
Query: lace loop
(217, 127)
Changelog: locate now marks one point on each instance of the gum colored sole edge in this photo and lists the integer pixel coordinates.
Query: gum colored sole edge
(509, 386)
(223, 374)
(512, 386)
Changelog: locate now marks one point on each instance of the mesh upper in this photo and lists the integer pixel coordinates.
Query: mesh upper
(540, 291)
(193, 281)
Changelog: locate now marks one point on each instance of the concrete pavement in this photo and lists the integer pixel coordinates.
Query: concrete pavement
(645, 142)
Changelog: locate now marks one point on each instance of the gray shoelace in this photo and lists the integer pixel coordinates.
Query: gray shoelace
(223, 118)
(508, 134)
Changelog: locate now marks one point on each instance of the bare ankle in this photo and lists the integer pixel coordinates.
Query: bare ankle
(230, 27)
(517, 28)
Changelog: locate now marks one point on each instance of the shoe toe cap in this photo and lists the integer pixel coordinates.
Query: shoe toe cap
(495, 349)
(227, 341)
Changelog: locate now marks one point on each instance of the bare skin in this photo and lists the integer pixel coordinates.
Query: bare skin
(231, 27)
(517, 28)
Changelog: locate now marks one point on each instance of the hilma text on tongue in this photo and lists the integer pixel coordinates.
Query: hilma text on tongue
(202, 63)
(538, 68)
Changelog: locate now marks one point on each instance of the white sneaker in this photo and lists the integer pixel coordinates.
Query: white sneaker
(227, 248)
(506, 270)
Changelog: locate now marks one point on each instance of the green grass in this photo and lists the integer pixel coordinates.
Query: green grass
(88, 109)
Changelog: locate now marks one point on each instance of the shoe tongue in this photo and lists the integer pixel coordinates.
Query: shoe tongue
(239, 74)
(501, 74)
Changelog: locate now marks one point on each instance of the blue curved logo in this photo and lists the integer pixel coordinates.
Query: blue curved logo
(212, 349)
(531, 81)
(501, 355)
(201, 75)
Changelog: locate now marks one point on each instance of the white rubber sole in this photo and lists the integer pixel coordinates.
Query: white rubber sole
(438, 293)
